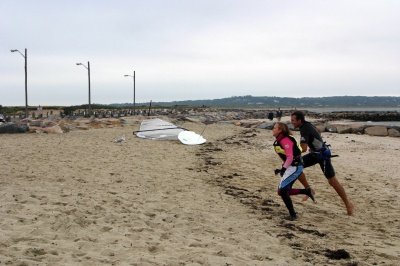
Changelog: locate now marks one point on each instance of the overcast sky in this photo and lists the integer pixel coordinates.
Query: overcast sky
(187, 49)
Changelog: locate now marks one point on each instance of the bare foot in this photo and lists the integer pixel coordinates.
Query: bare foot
(306, 197)
(350, 208)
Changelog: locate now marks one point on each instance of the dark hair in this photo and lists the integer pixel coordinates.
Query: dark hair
(284, 128)
(299, 116)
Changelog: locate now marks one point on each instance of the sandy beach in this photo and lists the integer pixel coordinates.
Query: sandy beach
(79, 198)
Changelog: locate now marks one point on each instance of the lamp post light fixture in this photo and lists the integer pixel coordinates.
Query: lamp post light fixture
(134, 92)
(26, 78)
(88, 69)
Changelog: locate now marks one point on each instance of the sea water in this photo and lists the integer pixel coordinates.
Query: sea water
(360, 109)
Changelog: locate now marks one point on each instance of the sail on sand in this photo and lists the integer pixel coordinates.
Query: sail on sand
(158, 129)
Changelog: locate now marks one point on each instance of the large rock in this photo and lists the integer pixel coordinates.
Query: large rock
(250, 123)
(50, 130)
(266, 125)
(331, 128)
(53, 130)
(344, 129)
(194, 119)
(376, 131)
(358, 129)
(393, 132)
(13, 128)
(48, 123)
(66, 125)
(36, 123)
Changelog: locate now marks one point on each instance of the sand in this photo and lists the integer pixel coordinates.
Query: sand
(81, 199)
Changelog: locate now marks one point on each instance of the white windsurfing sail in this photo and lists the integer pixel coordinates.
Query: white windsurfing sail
(158, 129)
(191, 138)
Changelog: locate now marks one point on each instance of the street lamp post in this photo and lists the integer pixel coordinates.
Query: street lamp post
(26, 78)
(88, 69)
(134, 92)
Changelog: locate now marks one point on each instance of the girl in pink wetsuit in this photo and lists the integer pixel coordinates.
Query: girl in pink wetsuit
(287, 149)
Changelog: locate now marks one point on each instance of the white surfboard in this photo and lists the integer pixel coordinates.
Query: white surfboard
(191, 138)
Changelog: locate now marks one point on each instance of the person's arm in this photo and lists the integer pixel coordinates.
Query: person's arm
(304, 138)
(287, 145)
(304, 147)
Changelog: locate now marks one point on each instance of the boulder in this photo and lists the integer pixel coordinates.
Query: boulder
(66, 125)
(48, 123)
(344, 129)
(50, 130)
(53, 130)
(331, 128)
(13, 128)
(36, 123)
(376, 131)
(358, 129)
(393, 132)
(266, 125)
(194, 119)
(250, 123)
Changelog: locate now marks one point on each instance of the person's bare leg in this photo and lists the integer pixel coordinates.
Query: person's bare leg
(340, 191)
(303, 181)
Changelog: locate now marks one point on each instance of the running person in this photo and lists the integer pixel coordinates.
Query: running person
(286, 147)
(311, 138)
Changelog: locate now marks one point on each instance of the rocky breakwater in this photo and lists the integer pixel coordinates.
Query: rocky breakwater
(335, 122)
(60, 125)
(340, 127)
(214, 115)
(359, 128)
(361, 115)
(359, 122)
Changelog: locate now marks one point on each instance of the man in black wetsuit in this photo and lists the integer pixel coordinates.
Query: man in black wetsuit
(310, 138)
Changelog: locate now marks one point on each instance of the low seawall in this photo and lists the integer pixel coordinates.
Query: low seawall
(360, 115)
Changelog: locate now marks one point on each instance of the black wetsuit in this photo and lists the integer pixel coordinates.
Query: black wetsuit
(310, 136)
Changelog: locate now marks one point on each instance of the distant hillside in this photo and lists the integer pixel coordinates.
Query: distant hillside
(254, 102)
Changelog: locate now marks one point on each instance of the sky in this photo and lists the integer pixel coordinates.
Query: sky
(197, 49)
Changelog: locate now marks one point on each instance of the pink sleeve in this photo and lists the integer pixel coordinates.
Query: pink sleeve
(287, 145)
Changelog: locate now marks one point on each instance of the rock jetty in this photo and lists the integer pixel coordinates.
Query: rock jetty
(326, 122)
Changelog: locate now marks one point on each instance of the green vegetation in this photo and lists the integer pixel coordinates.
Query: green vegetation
(264, 101)
(247, 101)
